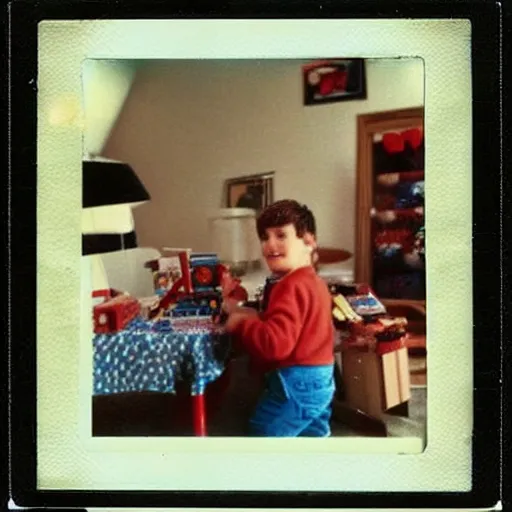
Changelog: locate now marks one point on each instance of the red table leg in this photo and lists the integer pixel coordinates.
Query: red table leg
(199, 415)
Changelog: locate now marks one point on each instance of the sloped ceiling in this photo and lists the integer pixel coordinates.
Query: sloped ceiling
(106, 84)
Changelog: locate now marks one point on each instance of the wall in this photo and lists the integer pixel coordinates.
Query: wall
(187, 126)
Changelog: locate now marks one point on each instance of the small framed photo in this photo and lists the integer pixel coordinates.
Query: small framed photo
(255, 191)
(332, 80)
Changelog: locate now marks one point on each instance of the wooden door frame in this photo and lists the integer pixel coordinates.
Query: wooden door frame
(367, 126)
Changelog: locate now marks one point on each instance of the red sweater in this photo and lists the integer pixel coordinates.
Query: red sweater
(296, 328)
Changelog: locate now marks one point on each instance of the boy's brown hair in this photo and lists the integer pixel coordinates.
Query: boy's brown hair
(287, 211)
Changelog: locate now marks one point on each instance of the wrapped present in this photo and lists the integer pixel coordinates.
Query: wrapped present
(115, 314)
(382, 335)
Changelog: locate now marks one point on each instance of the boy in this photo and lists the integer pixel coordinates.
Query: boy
(293, 338)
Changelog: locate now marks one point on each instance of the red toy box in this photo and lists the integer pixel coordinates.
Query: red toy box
(115, 313)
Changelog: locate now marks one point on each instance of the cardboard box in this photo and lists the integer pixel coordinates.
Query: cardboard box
(375, 383)
(395, 374)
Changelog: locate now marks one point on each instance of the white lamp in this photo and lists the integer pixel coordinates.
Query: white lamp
(234, 238)
(110, 190)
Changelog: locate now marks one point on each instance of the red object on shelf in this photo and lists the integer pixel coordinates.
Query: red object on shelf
(391, 179)
(403, 237)
(399, 216)
(411, 176)
(413, 137)
(115, 313)
(393, 142)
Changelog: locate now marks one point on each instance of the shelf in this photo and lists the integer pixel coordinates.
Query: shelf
(416, 305)
(395, 268)
(390, 202)
(391, 216)
(387, 179)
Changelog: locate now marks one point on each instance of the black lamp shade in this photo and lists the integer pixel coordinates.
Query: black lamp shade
(98, 243)
(109, 183)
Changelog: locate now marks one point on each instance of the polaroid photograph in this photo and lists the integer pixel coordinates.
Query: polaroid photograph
(142, 387)
(141, 381)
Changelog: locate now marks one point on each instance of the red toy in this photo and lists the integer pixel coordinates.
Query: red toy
(231, 287)
(114, 314)
(202, 275)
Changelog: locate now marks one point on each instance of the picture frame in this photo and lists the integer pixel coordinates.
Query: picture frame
(255, 191)
(333, 80)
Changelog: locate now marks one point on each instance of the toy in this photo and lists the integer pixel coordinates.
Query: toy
(196, 304)
(203, 284)
(343, 310)
(364, 319)
(115, 313)
(161, 282)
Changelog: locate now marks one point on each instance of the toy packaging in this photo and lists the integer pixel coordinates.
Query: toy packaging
(166, 273)
(357, 299)
(366, 304)
(363, 318)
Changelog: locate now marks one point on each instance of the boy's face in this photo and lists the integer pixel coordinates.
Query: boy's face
(284, 251)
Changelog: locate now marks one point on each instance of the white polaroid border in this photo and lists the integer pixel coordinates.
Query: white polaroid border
(68, 457)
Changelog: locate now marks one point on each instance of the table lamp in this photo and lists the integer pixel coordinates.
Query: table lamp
(234, 238)
(110, 190)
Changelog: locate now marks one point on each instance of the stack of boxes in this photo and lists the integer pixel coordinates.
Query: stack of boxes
(370, 350)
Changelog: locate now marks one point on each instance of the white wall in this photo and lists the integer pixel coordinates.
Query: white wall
(187, 126)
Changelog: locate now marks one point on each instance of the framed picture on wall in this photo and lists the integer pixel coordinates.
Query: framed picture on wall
(333, 80)
(255, 191)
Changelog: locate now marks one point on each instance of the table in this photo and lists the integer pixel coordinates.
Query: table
(154, 355)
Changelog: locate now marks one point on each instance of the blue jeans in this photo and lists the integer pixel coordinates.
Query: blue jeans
(296, 402)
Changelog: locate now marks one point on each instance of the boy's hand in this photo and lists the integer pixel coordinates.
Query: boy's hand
(230, 305)
(237, 316)
(233, 320)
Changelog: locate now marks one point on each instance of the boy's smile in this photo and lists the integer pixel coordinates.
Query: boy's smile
(283, 250)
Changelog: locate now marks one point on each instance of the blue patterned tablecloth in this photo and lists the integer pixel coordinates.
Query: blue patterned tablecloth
(153, 356)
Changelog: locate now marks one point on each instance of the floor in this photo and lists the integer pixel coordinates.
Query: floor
(153, 414)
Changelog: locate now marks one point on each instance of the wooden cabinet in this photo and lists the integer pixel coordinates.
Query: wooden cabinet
(390, 248)
(362, 378)
(373, 383)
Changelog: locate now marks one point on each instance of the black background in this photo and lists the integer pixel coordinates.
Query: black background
(488, 224)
